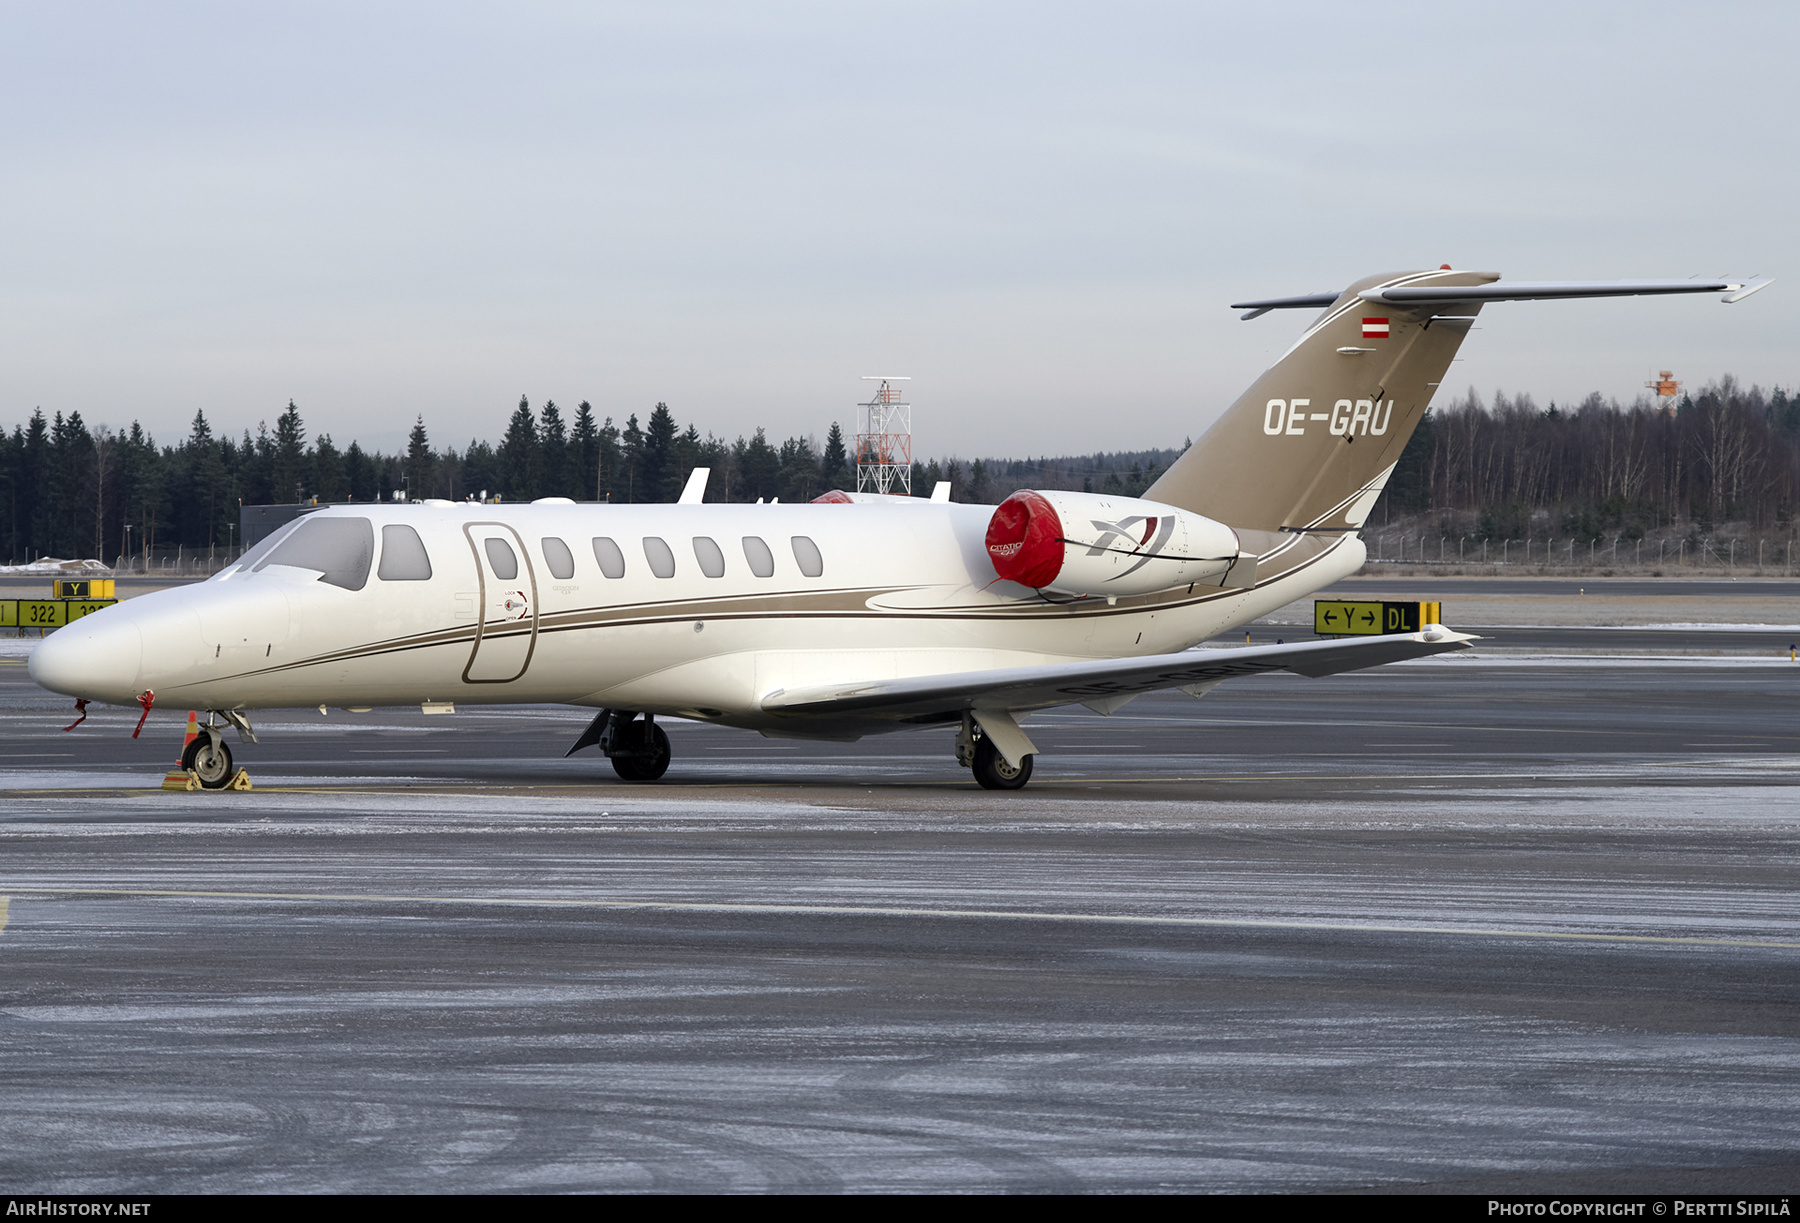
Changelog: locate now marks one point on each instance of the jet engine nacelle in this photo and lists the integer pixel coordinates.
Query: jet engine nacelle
(1093, 544)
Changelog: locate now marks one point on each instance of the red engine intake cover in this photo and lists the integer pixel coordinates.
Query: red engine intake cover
(1024, 540)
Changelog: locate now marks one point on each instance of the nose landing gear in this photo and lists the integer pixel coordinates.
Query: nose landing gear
(209, 759)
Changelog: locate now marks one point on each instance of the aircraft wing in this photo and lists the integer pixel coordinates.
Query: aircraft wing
(1108, 681)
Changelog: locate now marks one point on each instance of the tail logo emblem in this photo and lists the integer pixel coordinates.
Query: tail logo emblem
(1375, 329)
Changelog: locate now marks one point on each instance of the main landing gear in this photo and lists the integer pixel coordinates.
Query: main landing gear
(639, 750)
(975, 751)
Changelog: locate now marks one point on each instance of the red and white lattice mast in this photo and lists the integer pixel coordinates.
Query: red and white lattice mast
(884, 440)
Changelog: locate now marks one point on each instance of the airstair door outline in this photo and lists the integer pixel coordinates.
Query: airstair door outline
(506, 627)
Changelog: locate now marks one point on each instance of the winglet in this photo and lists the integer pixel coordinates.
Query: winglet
(695, 492)
(1755, 285)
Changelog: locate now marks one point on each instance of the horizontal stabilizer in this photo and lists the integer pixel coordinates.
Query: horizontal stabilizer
(1306, 301)
(1735, 289)
(1026, 688)
(1556, 290)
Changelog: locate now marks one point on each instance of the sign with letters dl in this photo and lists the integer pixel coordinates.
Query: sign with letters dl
(1356, 618)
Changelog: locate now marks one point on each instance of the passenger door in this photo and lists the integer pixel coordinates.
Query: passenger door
(506, 625)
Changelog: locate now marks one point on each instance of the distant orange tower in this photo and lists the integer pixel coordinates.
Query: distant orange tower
(1666, 389)
(884, 440)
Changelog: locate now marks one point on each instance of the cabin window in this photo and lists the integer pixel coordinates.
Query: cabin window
(711, 558)
(339, 550)
(806, 555)
(558, 557)
(611, 560)
(502, 558)
(657, 552)
(761, 560)
(403, 557)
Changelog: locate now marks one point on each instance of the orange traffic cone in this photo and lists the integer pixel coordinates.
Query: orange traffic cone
(179, 778)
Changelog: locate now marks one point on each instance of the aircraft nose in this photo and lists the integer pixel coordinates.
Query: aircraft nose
(97, 657)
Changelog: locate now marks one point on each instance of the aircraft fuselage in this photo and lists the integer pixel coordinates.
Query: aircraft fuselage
(712, 608)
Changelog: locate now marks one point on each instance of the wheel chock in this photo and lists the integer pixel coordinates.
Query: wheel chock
(187, 779)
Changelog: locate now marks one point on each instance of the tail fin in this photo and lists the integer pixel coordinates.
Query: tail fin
(1311, 445)
(1312, 442)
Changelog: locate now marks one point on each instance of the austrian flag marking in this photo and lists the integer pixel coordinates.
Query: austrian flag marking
(1375, 329)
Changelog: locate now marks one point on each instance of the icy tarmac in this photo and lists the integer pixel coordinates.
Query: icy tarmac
(1526, 922)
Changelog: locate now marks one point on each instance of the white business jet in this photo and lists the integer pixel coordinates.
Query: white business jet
(849, 616)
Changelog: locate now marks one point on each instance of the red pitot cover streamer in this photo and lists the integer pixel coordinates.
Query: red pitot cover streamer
(147, 700)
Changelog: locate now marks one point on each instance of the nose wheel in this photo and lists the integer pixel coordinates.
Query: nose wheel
(209, 759)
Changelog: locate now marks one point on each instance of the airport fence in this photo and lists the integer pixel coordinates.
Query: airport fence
(180, 562)
(1686, 556)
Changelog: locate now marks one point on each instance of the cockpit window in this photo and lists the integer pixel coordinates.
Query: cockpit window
(403, 557)
(339, 550)
(258, 550)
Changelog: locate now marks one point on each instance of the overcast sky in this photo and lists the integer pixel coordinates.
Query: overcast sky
(1038, 211)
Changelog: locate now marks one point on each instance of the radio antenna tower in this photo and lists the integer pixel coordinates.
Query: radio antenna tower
(884, 440)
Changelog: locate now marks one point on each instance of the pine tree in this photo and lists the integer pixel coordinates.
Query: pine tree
(480, 470)
(519, 455)
(978, 482)
(608, 463)
(419, 482)
(662, 482)
(71, 486)
(359, 474)
(584, 455)
(799, 479)
(758, 469)
(11, 449)
(553, 452)
(834, 464)
(206, 476)
(716, 455)
(140, 486)
(287, 471)
(629, 483)
(328, 470)
(34, 486)
(688, 451)
(253, 463)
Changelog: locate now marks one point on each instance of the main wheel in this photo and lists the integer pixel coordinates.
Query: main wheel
(992, 771)
(210, 761)
(649, 766)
